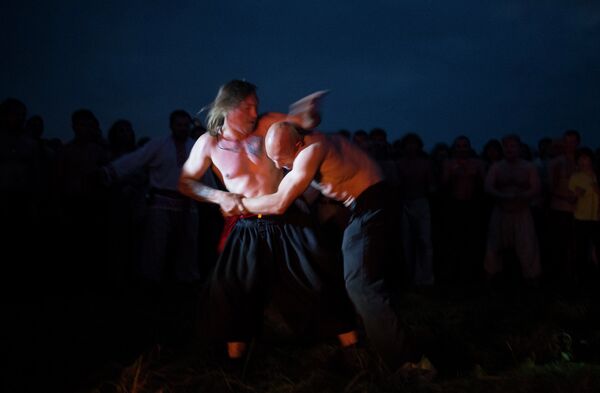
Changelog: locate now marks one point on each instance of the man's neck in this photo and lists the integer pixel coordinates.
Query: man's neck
(232, 134)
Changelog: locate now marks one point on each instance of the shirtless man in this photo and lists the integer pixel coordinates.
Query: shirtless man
(344, 172)
(513, 182)
(463, 177)
(561, 245)
(277, 256)
(415, 184)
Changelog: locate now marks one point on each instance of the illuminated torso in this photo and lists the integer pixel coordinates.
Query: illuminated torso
(346, 170)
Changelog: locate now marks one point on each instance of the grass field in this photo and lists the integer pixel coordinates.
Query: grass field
(508, 341)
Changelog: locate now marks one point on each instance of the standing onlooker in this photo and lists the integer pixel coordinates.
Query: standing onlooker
(463, 177)
(513, 182)
(584, 183)
(83, 200)
(170, 237)
(167, 265)
(415, 180)
(126, 208)
(560, 265)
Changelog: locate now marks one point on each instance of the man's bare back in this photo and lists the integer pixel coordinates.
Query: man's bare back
(346, 170)
(333, 165)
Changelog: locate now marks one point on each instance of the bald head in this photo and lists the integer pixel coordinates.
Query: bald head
(282, 143)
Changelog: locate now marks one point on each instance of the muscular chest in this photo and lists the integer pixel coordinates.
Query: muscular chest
(240, 158)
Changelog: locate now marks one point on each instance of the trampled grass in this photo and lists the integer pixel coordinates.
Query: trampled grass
(502, 343)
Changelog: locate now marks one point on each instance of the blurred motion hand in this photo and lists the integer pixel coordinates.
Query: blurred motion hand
(307, 109)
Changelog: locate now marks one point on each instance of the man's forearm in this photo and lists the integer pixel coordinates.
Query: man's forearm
(200, 192)
(266, 204)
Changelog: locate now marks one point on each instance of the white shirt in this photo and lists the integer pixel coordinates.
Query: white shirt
(159, 157)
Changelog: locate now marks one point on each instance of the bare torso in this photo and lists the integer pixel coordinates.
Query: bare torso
(516, 179)
(243, 166)
(561, 169)
(346, 170)
(464, 176)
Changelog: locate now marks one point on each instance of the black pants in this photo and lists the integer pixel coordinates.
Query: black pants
(368, 251)
(275, 259)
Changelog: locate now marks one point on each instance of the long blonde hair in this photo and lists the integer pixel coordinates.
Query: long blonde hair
(229, 96)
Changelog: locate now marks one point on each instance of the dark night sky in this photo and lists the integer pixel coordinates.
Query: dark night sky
(439, 68)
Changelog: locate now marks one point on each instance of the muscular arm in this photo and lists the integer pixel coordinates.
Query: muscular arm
(194, 168)
(305, 167)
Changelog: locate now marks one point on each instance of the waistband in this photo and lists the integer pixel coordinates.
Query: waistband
(261, 217)
(375, 195)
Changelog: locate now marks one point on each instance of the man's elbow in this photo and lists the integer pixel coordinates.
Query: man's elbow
(281, 207)
(184, 186)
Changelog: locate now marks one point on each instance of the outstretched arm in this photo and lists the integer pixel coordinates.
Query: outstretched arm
(294, 183)
(189, 181)
(304, 113)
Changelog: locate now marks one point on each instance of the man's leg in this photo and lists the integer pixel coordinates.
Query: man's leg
(492, 263)
(365, 253)
(236, 292)
(526, 245)
(309, 290)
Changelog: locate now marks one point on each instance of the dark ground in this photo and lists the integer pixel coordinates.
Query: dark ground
(85, 339)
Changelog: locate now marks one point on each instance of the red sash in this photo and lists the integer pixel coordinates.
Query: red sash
(228, 227)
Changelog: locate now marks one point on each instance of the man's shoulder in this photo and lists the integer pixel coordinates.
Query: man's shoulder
(316, 137)
(318, 142)
(206, 139)
(266, 120)
(204, 145)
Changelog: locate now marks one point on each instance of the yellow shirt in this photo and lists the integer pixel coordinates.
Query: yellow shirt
(586, 208)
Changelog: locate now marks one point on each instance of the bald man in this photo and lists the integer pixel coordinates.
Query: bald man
(344, 172)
